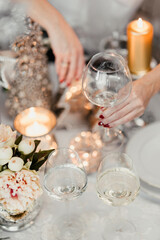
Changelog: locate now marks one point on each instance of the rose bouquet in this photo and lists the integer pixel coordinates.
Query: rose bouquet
(20, 186)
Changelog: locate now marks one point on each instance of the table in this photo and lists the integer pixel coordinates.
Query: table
(144, 211)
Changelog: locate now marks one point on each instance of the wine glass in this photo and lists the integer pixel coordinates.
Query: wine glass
(65, 179)
(117, 185)
(107, 82)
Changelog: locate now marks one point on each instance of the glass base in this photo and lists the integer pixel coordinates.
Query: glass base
(65, 228)
(113, 139)
(16, 228)
(119, 230)
(21, 223)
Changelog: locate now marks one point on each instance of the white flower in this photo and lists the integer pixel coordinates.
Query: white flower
(6, 172)
(26, 146)
(7, 136)
(18, 191)
(5, 154)
(15, 164)
(3, 161)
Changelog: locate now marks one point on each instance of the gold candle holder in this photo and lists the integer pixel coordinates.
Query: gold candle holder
(140, 35)
(37, 122)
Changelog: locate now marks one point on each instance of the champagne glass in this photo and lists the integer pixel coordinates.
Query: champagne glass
(107, 82)
(117, 185)
(65, 179)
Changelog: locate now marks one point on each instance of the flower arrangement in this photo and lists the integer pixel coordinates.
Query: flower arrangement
(19, 182)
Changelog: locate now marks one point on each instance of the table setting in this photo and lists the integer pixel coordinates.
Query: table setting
(63, 174)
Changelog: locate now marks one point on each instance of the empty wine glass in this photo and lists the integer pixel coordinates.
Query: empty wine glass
(107, 82)
(65, 179)
(117, 185)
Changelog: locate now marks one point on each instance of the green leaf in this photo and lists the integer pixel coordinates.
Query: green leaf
(38, 155)
(38, 164)
(39, 159)
(18, 140)
(37, 142)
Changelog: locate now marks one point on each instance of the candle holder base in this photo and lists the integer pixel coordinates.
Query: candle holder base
(153, 64)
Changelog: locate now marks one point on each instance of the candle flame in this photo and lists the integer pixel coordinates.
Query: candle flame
(36, 129)
(32, 112)
(140, 23)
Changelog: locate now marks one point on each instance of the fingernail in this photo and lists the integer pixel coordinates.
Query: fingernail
(101, 116)
(106, 125)
(101, 123)
(102, 108)
(68, 84)
(61, 80)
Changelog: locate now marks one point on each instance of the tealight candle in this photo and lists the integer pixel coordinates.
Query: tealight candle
(35, 122)
(140, 35)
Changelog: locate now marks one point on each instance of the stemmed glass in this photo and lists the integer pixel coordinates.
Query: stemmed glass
(117, 185)
(107, 82)
(65, 179)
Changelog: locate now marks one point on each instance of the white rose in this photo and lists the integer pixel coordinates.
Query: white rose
(26, 146)
(3, 161)
(15, 164)
(5, 154)
(6, 172)
(7, 136)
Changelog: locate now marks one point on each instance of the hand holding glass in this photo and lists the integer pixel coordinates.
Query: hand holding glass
(106, 82)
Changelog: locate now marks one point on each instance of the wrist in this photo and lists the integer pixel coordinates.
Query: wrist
(151, 81)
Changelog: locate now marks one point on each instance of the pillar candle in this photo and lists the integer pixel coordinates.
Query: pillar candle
(140, 35)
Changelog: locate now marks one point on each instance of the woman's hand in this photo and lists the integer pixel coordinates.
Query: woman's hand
(67, 49)
(65, 44)
(133, 107)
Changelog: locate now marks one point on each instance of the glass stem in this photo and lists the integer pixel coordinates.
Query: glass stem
(67, 206)
(107, 136)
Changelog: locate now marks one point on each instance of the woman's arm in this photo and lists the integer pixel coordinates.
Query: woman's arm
(142, 91)
(65, 44)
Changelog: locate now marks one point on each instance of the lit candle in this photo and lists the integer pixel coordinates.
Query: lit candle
(140, 35)
(35, 122)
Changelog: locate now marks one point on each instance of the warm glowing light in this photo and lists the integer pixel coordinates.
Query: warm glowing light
(86, 155)
(77, 139)
(140, 23)
(85, 144)
(36, 129)
(140, 35)
(35, 122)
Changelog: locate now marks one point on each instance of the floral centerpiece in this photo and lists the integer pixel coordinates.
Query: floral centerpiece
(20, 186)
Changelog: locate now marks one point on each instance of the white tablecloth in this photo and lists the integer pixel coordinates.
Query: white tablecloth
(144, 212)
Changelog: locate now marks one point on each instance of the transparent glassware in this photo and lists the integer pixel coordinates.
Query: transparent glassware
(65, 179)
(107, 82)
(22, 221)
(117, 185)
(17, 222)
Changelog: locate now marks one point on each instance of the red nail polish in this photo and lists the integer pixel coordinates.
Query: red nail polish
(106, 125)
(102, 108)
(68, 84)
(101, 116)
(61, 80)
(101, 123)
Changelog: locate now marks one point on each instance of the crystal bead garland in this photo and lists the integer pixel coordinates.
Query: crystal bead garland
(30, 86)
